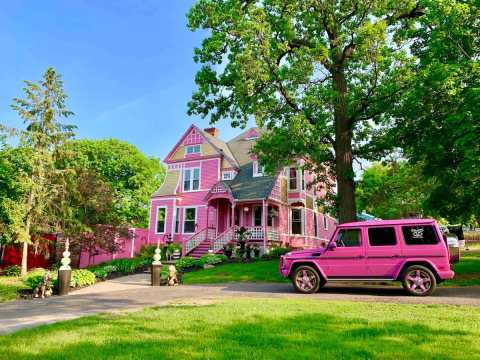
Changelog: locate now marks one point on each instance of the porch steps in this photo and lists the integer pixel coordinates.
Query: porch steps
(201, 249)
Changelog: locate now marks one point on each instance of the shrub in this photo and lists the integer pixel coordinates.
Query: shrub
(276, 252)
(212, 259)
(147, 251)
(82, 277)
(186, 262)
(129, 266)
(100, 273)
(13, 270)
(35, 277)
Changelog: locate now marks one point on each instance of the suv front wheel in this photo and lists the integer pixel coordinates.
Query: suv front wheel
(306, 279)
(419, 280)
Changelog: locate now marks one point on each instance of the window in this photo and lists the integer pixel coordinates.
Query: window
(189, 220)
(257, 216)
(297, 221)
(257, 169)
(315, 229)
(292, 176)
(191, 179)
(161, 219)
(325, 222)
(192, 149)
(227, 175)
(270, 216)
(419, 235)
(177, 220)
(384, 236)
(302, 174)
(348, 238)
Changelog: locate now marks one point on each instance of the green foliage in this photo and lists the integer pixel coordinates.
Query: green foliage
(34, 277)
(128, 175)
(212, 259)
(12, 270)
(185, 263)
(82, 277)
(276, 251)
(319, 77)
(393, 190)
(100, 272)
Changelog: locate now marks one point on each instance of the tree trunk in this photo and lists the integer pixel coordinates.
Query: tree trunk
(24, 258)
(343, 152)
(27, 237)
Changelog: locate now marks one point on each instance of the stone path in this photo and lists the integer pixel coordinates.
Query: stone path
(134, 292)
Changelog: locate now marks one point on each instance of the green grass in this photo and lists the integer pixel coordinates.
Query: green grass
(467, 271)
(259, 329)
(9, 286)
(258, 271)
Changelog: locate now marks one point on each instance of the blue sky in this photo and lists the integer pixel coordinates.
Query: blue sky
(127, 65)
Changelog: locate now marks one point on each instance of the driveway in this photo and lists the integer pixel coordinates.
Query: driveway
(134, 292)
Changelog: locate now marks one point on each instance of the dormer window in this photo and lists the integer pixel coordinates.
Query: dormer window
(192, 149)
(292, 178)
(258, 170)
(228, 175)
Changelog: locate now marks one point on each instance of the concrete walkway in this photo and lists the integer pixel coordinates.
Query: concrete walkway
(134, 292)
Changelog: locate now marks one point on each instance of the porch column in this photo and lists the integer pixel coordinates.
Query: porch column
(265, 223)
(208, 211)
(233, 214)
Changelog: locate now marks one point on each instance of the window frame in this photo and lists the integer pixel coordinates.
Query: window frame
(325, 222)
(257, 169)
(290, 178)
(261, 215)
(185, 219)
(360, 245)
(163, 207)
(302, 221)
(315, 224)
(193, 152)
(231, 173)
(177, 221)
(191, 179)
(382, 227)
(422, 225)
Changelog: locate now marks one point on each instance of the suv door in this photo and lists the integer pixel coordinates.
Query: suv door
(347, 260)
(383, 252)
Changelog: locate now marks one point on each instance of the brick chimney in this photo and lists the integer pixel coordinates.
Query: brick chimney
(212, 131)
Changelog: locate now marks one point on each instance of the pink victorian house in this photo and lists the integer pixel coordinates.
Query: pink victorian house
(213, 187)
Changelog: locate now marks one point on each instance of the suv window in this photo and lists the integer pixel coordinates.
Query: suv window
(419, 235)
(384, 236)
(348, 238)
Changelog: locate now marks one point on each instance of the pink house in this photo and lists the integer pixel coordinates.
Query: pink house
(213, 187)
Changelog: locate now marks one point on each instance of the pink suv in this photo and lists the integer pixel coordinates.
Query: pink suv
(412, 251)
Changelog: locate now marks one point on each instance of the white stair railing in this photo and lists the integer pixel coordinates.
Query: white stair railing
(197, 238)
(224, 238)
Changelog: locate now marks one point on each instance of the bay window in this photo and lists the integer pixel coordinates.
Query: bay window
(296, 221)
(292, 179)
(189, 220)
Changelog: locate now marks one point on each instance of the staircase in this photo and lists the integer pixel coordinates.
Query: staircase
(201, 249)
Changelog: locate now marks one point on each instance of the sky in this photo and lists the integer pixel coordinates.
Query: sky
(127, 65)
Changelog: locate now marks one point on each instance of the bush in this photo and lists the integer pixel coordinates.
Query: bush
(35, 277)
(82, 277)
(129, 266)
(212, 259)
(276, 252)
(147, 251)
(100, 273)
(186, 262)
(13, 270)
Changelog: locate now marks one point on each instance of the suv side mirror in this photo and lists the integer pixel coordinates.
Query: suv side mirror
(332, 246)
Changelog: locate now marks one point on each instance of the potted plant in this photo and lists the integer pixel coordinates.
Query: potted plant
(242, 235)
(228, 250)
(256, 251)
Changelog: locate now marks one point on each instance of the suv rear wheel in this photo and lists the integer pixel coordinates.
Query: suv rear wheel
(419, 280)
(306, 280)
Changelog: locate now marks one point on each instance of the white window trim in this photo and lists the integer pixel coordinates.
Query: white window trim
(156, 219)
(195, 152)
(296, 180)
(253, 215)
(231, 172)
(185, 216)
(174, 221)
(302, 218)
(325, 222)
(256, 167)
(191, 178)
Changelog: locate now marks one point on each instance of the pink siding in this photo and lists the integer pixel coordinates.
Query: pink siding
(128, 249)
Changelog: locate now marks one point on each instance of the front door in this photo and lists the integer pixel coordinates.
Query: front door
(223, 215)
(347, 260)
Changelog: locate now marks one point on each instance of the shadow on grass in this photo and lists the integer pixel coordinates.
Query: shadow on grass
(196, 333)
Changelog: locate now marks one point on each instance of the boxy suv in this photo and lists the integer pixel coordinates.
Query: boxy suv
(412, 251)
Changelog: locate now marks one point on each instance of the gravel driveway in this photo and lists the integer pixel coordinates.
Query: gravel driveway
(133, 292)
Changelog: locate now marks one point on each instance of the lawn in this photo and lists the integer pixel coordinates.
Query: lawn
(9, 286)
(259, 329)
(467, 271)
(258, 271)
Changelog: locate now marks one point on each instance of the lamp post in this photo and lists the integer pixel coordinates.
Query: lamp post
(65, 271)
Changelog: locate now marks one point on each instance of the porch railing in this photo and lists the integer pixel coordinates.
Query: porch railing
(257, 233)
(199, 237)
(224, 238)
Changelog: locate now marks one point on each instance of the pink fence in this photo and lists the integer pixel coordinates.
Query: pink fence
(128, 249)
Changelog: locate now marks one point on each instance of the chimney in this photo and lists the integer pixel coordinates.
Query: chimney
(212, 131)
